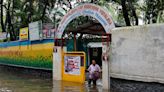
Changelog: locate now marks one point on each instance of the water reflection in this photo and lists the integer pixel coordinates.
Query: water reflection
(63, 86)
(10, 82)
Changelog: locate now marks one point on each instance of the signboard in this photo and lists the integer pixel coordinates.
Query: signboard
(23, 34)
(2, 35)
(35, 30)
(48, 30)
(72, 65)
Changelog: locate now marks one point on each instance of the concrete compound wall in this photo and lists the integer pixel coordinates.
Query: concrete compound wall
(138, 53)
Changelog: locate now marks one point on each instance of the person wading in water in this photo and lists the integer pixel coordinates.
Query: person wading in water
(94, 72)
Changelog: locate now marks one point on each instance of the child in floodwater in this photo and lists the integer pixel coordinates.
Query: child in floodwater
(94, 72)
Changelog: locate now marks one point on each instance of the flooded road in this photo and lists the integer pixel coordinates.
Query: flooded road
(13, 81)
(25, 80)
(17, 80)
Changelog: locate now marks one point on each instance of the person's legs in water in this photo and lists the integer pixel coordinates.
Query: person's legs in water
(94, 82)
(89, 82)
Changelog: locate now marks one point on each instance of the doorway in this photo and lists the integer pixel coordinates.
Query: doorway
(95, 54)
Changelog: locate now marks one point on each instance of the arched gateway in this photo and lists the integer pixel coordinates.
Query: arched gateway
(104, 19)
(92, 10)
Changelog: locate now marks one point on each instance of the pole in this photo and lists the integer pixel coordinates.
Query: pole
(75, 42)
(108, 54)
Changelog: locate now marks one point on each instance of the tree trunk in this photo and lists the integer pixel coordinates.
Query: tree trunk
(2, 23)
(30, 10)
(125, 12)
(135, 16)
(158, 17)
(10, 25)
(44, 10)
(133, 12)
(69, 2)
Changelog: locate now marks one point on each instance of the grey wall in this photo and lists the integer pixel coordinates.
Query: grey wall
(138, 53)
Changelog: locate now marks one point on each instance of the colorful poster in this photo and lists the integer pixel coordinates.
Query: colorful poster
(35, 29)
(72, 65)
(23, 34)
(48, 30)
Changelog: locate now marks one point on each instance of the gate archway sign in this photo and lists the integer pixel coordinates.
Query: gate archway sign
(104, 19)
(92, 10)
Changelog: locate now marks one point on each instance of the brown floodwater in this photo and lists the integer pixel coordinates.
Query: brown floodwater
(14, 80)
(28, 80)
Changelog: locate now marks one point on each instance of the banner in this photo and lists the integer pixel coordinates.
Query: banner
(72, 65)
(35, 29)
(23, 34)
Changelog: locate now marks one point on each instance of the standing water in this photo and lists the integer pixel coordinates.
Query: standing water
(27, 80)
(24, 80)
(14, 80)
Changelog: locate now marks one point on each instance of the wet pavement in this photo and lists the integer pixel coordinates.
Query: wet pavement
(120, 85)
(24, 80)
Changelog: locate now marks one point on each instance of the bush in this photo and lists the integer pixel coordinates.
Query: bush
(1, 40)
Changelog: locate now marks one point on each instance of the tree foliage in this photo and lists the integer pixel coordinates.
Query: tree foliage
(16, 14)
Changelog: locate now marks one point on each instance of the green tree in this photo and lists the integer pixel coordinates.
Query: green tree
(16, 14)
(153, 11)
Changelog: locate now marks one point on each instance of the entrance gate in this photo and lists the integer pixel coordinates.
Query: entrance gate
(105, 20)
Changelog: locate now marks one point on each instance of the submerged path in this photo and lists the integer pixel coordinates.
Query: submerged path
(28, 80)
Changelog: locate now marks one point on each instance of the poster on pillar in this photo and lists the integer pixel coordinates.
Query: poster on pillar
(105, 57)
(105, 51)
(72, 65)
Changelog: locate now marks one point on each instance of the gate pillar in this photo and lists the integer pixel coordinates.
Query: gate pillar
(106, 39)
(58, 51)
